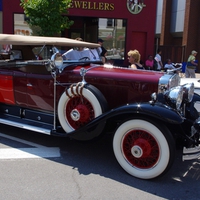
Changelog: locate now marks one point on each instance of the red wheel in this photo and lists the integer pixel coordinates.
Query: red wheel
(81, 113)
(78, 110)
(140, 149)
(143, 149)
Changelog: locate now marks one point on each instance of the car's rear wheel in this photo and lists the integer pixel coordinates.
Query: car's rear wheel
(143, 149)
(77, 108)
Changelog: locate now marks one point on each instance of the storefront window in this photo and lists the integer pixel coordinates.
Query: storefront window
(22, 28)
(113, 32)
(20, 25)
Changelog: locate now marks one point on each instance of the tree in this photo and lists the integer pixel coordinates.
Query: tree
(47, 17)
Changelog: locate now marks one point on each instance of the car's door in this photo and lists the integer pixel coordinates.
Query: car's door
(40, 93)
(33, 85)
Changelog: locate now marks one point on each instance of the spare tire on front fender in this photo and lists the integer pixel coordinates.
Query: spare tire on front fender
(79, 105)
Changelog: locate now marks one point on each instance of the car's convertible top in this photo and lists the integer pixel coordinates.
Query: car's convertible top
(38, 40)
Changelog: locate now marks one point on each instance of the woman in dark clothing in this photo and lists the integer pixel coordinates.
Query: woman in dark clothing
(134, 59)
(103, 51)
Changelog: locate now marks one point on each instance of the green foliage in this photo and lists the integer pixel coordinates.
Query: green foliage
(48, 15)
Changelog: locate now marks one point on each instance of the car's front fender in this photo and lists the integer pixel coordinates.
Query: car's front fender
(152, 111)
(196, 97)
(158, 110)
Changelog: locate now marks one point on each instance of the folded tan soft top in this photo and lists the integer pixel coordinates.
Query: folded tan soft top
(37, 40)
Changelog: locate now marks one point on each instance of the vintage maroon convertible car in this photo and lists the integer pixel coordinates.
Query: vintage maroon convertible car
(147, 112)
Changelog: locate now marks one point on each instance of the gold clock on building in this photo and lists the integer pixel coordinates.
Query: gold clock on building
(135, 6)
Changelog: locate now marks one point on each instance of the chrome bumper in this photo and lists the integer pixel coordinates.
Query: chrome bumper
(191, 153)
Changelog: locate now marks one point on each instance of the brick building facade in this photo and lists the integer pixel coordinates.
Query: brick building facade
(178, 44)
(137, 20)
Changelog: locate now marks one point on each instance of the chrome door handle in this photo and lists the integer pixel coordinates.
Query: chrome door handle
(29, 85)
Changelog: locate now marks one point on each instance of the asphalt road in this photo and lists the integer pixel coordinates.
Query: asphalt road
(34, 166)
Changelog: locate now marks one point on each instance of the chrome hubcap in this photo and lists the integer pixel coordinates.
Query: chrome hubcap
(75, 115)
(136, 151)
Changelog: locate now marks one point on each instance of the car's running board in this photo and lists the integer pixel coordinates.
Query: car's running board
(26, 126)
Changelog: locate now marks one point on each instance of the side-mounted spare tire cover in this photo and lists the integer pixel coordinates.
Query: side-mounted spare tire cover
(79, 105)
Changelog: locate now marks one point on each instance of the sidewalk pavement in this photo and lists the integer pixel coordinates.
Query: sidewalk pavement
(197, 75)
(182, 75)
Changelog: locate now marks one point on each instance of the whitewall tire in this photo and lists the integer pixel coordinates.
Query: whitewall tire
(142, 149)
(76, 111)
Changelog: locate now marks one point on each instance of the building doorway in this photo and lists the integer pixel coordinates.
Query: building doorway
(84, 27)
(112, 31)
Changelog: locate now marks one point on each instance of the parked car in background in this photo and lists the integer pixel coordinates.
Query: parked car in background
(114, 54)
(196, 82)
(146, 112)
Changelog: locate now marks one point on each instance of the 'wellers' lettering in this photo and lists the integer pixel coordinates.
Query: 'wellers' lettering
(92, 5)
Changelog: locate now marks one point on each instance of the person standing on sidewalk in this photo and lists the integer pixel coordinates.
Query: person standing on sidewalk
(191, 65)
(159, 60)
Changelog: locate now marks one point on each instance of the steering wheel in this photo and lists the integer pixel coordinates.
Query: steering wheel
(84, 58)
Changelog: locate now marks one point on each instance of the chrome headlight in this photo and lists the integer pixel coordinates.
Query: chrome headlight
(188, 92)
(168, 81)
(174, 81)
(154, 97)
(174, 97)
(57, 60)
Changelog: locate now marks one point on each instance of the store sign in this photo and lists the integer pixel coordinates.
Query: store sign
(87, 5)
(135, 6)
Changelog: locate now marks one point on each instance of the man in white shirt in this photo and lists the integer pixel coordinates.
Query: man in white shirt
(81, 53)
(158, 59)
(77, 53)
(169, 65)
(94, 55)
